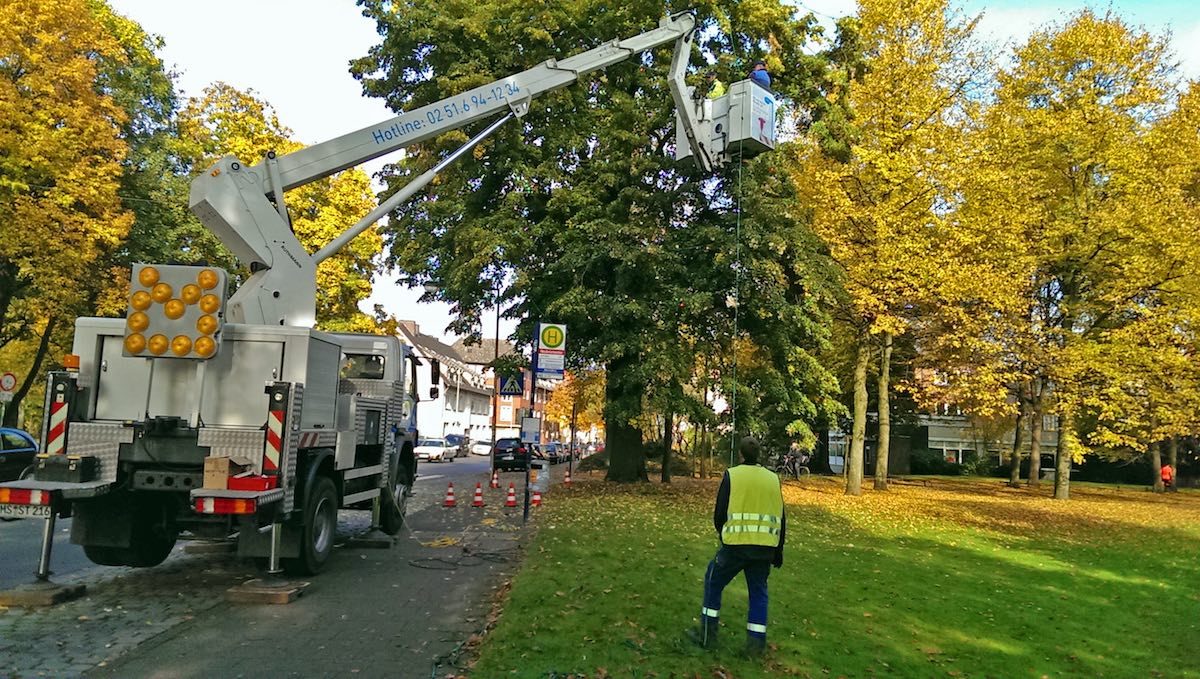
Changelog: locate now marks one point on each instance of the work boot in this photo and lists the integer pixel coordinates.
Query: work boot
(755, 646)
(704, 635)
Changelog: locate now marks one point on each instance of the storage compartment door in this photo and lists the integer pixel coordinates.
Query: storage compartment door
(121, 382)
(235, 382)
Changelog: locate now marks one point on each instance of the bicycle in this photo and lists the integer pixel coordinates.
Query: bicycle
(791, 465)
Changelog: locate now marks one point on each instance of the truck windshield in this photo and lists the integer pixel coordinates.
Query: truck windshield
(363, 367)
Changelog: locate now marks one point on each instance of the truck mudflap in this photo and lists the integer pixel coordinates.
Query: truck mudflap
(220, 501)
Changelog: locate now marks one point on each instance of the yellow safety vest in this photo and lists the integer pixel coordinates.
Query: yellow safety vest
(755, 507)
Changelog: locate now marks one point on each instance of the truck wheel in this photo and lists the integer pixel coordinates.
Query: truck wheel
(318, 530)
(395, 502)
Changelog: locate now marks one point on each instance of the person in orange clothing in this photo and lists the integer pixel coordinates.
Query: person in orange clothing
(1168, 476)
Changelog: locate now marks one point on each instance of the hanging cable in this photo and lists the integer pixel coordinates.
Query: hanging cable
(737, 304)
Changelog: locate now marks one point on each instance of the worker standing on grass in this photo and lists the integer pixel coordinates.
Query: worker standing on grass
(751, 526)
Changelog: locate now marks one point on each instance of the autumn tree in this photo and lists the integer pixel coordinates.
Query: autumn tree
(580, 397)
(876, 200)
(1104, 227)
(61, 154)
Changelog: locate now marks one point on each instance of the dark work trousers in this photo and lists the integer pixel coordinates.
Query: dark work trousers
(728, 562)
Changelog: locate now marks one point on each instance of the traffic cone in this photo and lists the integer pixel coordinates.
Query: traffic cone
(567, 479)
(511, 501)
(478, 501)
(537, 499)
(449, 496)
(495, 478)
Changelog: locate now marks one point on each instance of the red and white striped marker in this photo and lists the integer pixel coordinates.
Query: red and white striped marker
(511, 500)
(567, 480)
(478, 501)
(56, 435)
(495, 478)
(449, 496)
(274, 445)
(537, 499)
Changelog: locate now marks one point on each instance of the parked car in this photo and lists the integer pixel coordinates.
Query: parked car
(435, 450)
(481, 448)
(511, 454)
(462, 443)
(17, 450)
(555, 452)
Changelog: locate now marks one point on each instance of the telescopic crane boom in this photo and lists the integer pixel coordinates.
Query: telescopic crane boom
(235, 201)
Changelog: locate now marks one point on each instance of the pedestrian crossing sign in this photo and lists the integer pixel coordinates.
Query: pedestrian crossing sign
(512, 385)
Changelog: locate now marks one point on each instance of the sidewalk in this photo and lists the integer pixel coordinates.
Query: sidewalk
(402, 612)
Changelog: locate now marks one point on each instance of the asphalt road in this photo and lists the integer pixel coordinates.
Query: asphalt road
(21, 540)
(21, 544)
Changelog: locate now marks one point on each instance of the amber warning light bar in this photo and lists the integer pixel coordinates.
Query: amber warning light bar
(175, 311)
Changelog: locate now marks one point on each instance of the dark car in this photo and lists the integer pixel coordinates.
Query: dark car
(17, 450)
(555, 452)
(462, 442)
(510, 454)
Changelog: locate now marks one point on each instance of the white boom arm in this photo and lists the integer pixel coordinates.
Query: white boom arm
(234, 201)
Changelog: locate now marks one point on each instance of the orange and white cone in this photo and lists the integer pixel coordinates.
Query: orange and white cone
(537, 499)
(478, 501)
(567, 479)
(495, 478)
(449, 496)
(511, 501)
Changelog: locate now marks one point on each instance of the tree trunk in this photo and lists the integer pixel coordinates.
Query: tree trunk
(623, 398)
(1035, 442)
(12, 409)
(1156, 466)
(668, 436)
(885, 414)
(1066, 449)
(1014, 459)
(854, 463)
(1173, 457)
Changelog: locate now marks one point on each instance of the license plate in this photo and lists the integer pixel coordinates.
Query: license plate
(25, 511)
(507, 457)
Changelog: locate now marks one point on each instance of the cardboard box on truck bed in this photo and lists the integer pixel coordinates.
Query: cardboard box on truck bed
(217, 470)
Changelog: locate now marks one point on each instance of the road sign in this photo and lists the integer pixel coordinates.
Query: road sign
(6, 397)
(512, 385)
(8, 382)
(531, 430)
(551, 350)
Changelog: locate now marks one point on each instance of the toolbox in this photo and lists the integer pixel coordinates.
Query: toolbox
(66, 468)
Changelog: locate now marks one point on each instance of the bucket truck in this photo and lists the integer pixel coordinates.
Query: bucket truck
(234, 417)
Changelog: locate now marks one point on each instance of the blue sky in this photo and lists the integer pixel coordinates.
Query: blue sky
(295, 54)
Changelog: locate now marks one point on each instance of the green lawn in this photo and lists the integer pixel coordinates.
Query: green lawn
(963, 578)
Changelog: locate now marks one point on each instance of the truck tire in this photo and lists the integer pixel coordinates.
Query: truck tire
(318, 530)
(395, 499)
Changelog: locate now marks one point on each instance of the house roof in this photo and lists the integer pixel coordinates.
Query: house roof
(431, 347)
(483, 353)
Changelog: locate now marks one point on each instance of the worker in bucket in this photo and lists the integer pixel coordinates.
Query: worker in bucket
(751, 526)
(759, 74)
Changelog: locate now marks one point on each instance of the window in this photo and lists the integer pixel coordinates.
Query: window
(14, 442)
(1049, 423)
(363, 367)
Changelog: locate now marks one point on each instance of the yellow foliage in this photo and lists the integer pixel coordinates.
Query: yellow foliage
(60, 152)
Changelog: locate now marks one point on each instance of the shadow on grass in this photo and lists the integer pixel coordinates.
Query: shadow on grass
(615, 578)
